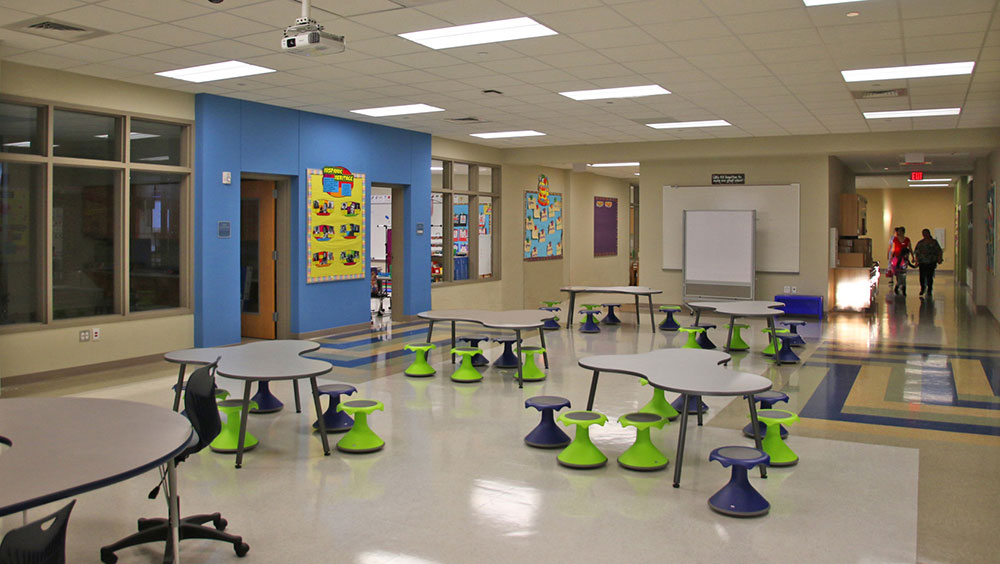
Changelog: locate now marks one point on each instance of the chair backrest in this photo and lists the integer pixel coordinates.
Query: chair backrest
(200, 407)
(35, 544)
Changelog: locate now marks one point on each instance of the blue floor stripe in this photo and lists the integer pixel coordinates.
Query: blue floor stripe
(828, 400)
(373, 340)
(887, 347)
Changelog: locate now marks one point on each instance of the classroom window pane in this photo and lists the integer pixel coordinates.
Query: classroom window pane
(83, 241)
(460, 236)
(86, 136)
(460, 177)
(437, 237)
(152, 142)
(485, 180)
(485, 237)
(20, 129)
(437, 174)
(154, 241)
(21, 221)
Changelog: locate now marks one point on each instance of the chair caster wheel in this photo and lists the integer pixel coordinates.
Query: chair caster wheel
(108, 557)
(241, 549)
(220, 523)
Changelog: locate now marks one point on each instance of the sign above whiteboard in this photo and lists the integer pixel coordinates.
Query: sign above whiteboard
(731, 178)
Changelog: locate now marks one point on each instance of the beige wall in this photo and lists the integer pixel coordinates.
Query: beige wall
(915, 209)
(584, 268)
(988, 295)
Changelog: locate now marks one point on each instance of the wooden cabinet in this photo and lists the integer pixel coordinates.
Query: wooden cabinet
(853, 215)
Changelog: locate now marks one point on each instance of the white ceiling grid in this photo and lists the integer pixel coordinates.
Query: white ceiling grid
(769, 67)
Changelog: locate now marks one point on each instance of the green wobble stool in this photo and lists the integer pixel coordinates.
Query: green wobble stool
(658, 404)
(692, 333)
(465, 371)
(360, 438)
(737, 343)
(581, 453)
(643, 454)
(769, 349)
(530, 372)
(229, 436)
(420, 368)
(781, 454)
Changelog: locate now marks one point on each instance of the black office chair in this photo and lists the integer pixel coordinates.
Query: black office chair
(199, 404)
(34, 544)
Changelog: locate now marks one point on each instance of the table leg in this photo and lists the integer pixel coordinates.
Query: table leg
(180, 384)
(572, 301)
(243, 423)
(545, 355)
(697, 315)
(520, 364)
(173, 511)
(298, 404)
(453, 341)
(430, 330)
(638, 318)
(652, 320)
(679, 458)
(319, 414)
(699, 409)
(756, 431)
(593, 389)
(729, 339)
(774, 339)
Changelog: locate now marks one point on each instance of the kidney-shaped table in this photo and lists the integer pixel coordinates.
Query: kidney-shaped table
(689, 372)
(635, 291)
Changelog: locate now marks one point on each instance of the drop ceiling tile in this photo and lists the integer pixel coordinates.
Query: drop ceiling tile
(371, 67)
(851, 34)
(286, 62)
(401, 21)
(353, 7)
(969, 42)
(223, 24)
(113, 72)
(762, 22)
(495, 82)
(97, 17)
(142, 65)
(25, 41)
(287, 80)
(159, 10)
(123, 44)
(172, 35)
(744, 71)
(8, 16)
(728, 7)
(482, 53)
(544, 76)
(967, 23)
(790, 39)
(600, 71)
(82, 52)
(425, 60)
(583, 20)
(655, 11)
(411, 77)
(183, 57)
(705, 28)
(790, 71)
(726, 60)
(576, 59)
(932, 8)
(43, 7)
(228, 49)
(515, 66)
(718, 45)
(870, 12)
(802, 53)
(460, 12)
(387, 46)
(40, 59)
(633, 53)
(618, 37)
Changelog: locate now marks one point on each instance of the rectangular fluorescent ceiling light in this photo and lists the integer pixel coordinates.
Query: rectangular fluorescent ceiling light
(18, 144)
(689, 124)
(605, 165)
(398, 110)
(437, 168)
(914, 113)
(826, 2)
(505, 134)
(215, 71)
(479, 33)
(911, 71)
(931, 180)
(927, 185)
(133, 135)
(622, 92)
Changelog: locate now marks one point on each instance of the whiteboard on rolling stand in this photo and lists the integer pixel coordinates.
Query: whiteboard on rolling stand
(777, 233)
(719, 256)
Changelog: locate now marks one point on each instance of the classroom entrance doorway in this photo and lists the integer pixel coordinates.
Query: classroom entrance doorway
(258, 307)
(633, 235)
(387, 266)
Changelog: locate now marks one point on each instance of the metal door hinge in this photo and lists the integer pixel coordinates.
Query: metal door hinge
(275, 316)
(274, 256)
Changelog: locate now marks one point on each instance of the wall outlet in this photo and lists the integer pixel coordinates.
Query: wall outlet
(788, 289)
(95, 334)
(795, 290)
(85, 335)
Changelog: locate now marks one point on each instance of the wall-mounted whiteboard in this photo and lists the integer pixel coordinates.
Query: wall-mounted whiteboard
(777, 232)
(719, 254)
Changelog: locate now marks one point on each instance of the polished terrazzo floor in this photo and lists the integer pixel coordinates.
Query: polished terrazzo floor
(899, 444)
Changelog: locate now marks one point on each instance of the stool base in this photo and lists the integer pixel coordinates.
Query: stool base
(266, 401)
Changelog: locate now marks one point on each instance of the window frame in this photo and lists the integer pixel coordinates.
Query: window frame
(471, 190)
(123, 167)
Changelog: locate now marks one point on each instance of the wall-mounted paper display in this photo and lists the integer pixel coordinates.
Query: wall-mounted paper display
(605, 226)
(543, 225)
(335, 225)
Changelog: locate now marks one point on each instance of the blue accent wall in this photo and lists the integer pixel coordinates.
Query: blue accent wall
(240, 136)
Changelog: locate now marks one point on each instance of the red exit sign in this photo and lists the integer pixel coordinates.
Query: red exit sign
(916, 175)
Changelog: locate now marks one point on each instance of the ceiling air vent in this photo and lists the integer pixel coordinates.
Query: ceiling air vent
(55, 29)
(879, 94)
(465, 120)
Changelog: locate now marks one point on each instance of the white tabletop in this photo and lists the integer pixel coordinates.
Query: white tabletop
(686, 371)
(66, 446)
(748, 309)
(260, 360)
(633, 290)
(514, 319)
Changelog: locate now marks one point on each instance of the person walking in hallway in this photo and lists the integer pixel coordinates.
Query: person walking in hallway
(929, 255)
(899, 259)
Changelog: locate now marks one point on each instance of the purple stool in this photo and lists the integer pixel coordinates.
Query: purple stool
(767, 400)
(786, 354)
(793, 325)
(507, 359)
(335, 421)
(738, 498)
(703, 339)
(590, 324)
(611, 318)
(547, 434)
(551, 324)
(477, 359)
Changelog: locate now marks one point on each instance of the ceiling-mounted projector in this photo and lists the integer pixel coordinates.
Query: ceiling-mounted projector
(306, 37)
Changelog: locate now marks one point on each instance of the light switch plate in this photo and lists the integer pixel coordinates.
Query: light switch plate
(227, 177)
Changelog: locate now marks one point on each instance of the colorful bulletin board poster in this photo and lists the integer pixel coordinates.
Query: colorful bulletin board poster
(543, 225)
(336, 225)
(991, 228)
(605, 226)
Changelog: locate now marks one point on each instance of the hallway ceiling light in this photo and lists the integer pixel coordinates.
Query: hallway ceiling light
(18, 144)
(689, 124)
(911, 71)
(505, 134)
(914, 113)
(930, 180)
(928, 185)
(479, 33)
(215, 71)
(621, 92)
(133, 135)
(827, 2)
(606, 165)
(398, 110)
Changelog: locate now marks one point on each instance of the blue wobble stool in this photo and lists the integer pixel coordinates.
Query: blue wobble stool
(336, 421)
(703, 339)
(507, 359)
(767, 400)
(793, 327)
(669, 324)
(547, 434)
(590, 324)
(611, 318)
(692, 405)
(478, 359)
(266, 401)
(551, 324)
(738, 498)
(786, 354)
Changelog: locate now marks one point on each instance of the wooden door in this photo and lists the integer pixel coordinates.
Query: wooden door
(257, 260)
